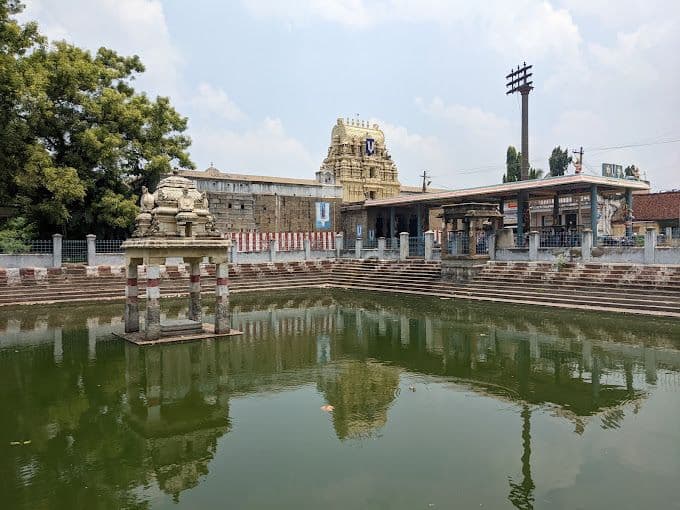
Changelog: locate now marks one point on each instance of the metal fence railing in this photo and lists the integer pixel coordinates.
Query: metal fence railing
(521, 241)
(41, 246)
(108, 245)
(34, 246)
(416, 246)
(391, 243)
(74, 250)
(634, 240)
(559, 238)
(459, 243)
(370, 244)
(349, 243)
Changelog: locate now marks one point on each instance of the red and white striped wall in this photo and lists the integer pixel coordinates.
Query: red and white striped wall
(287, 241)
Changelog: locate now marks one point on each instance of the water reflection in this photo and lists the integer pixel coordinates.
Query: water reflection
(110, 423)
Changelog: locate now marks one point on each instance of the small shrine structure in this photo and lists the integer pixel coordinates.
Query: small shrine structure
(175, 222)
(465, 247)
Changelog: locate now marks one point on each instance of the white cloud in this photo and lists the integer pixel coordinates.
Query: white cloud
(475, 120)
(131, 27)
(265, 149)
(212, 101)
(531, 28)
(413, 152)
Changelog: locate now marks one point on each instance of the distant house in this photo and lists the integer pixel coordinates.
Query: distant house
(658, 210)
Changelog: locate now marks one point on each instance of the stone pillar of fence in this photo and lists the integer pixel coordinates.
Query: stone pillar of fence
(91, 250)
(381, 248)
(505, 239)
(358, 247)
(339, 243)
(273, 248)
(233, 250)
(307, 244)
(650, 245)
(491, 244)
(429, 244)
(56, 250)
(403, 245)
(534, 240)
(587, 245)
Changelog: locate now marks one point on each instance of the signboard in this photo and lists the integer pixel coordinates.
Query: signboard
(323, 215)
(370, 146)
(612, 170)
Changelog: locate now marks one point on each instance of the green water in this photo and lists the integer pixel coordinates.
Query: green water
(437, 404)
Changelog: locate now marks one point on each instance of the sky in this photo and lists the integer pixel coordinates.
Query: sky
(263, 81)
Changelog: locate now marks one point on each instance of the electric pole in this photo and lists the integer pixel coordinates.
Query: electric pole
(578, 164)
(519, 81)
(426, 182)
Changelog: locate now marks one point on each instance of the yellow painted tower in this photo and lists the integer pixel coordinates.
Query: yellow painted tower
(358, 160)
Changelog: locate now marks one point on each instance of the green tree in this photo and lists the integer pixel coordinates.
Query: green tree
(513, 167)
(76, 140)
(559, 161)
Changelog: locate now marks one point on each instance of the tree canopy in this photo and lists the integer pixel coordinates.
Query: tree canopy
(513, 167)
(76, 140)
(559, 161)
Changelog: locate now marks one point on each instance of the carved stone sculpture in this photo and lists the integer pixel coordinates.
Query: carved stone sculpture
(147, 201)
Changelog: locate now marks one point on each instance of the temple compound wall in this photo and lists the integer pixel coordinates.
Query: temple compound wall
(242, 203)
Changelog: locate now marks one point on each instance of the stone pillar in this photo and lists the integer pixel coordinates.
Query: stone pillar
(668, 234)
(393, 224)
(273, 248)
(445, 239)
(195, 312)
(491, 243)
(505, 239)
(429, 244)
(91, 250)
(593, 212)
(472, 241)
(358, 247)
(381, 247)
(520, 220)
(339, 244)
(587, 245)
(222, 318)
(131, 299)
(153, 301)
(233, 250)
(534, 240)
(650, 245)
(56, 250)
(629, 213)
(307, 244)
(403, 245)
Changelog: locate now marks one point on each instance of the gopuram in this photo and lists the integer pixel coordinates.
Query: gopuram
(358, 159)
(174, 222)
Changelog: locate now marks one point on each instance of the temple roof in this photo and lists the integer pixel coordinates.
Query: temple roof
(657, 206)
(347, 129)
(538, 188)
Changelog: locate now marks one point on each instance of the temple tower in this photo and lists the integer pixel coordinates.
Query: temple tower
(358, 160)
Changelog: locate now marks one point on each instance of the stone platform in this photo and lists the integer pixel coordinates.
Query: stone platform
(207, 331)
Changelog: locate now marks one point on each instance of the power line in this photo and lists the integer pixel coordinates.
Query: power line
(632, 145)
